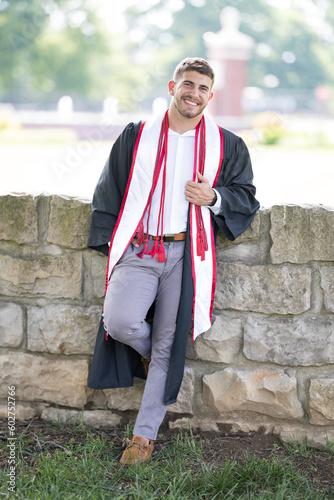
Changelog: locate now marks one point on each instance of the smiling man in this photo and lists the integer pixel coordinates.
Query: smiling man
(191, 93)
(169, 185)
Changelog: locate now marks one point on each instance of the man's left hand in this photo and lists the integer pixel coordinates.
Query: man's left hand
(200, 193)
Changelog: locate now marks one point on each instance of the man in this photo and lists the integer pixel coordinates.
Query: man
(168, 185)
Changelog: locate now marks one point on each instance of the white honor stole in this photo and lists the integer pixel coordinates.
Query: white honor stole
(135, 202)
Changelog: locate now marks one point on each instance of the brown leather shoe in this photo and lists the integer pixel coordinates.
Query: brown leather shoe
(137, 450)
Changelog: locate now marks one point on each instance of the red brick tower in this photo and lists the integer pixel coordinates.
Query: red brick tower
(228, 51)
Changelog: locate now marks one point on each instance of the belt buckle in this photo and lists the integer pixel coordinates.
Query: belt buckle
(169, 238)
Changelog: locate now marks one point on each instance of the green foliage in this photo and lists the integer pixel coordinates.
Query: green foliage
(58, 47)
(272, 135)
(19, 28)
(288, 35)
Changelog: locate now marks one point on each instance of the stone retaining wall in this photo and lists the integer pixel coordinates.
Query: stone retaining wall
(266, 364)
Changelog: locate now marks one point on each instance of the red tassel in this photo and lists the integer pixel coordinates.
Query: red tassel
(154, 248)
(140, 237)
(199, 245)
(204, 239)
(145, 247)
(161, 256)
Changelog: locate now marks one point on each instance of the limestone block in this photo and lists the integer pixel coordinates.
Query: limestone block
(37, 378)
(222, 342)
(69, 222)
(129, 398)
(301, 234)
(252, 233)
(263, 391)
(125, 398)
(266, 289)
(184, 403)
(322, 401)
(101, 418)
(58, 276)
(99, 269)
(242, 426)
(23, 411)
(327, 283)
(11, 325)
(247, 252)
(63, 329)
(194, 423)
(96, 399)
(233, 426)
(95, 418)
(61, 416)
(18, 221)
(290, 341)
(315, 437)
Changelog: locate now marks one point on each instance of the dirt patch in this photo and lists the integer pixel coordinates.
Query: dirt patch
(221, 447)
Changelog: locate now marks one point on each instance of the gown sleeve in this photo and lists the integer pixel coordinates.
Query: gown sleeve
(110, 189)
(236, 188)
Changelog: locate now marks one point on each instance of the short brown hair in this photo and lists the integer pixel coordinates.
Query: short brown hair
(194, 64)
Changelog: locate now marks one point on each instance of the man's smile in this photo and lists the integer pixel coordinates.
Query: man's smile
(190, 102)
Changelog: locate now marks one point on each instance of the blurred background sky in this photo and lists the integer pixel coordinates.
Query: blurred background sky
(74, 72)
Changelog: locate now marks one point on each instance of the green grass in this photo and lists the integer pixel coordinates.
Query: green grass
(87, 466)
(38, 137)
(302, 141)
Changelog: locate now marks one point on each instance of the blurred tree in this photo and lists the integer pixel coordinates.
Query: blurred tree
(56, 47)
(20, 25)
(290, 48)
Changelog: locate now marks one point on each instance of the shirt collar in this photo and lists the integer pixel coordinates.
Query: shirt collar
(189, 133)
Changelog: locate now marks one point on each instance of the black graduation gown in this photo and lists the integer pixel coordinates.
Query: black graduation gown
(115, 364)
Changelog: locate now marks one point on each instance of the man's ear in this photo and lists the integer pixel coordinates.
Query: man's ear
(171, 86)
(211, 96)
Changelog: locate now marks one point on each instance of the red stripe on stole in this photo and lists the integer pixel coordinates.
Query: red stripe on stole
(214, 273)
(213, 249)
(192, 256)
(192, 238)
(221, 157)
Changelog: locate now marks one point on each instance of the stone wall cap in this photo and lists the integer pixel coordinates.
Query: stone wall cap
(306, 206)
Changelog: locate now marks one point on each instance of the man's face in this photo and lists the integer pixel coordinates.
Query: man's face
(192, 93)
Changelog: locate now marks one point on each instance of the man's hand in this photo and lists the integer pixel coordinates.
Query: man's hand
(135, 243)
(200, 193)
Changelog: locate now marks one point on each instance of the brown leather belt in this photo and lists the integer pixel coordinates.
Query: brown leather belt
(170, 237)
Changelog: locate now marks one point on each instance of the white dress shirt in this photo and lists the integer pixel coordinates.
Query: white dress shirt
(180, 167)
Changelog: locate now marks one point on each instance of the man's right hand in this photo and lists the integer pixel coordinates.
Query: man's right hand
(135, 243)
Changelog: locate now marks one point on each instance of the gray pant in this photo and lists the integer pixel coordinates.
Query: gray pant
(134, 285)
